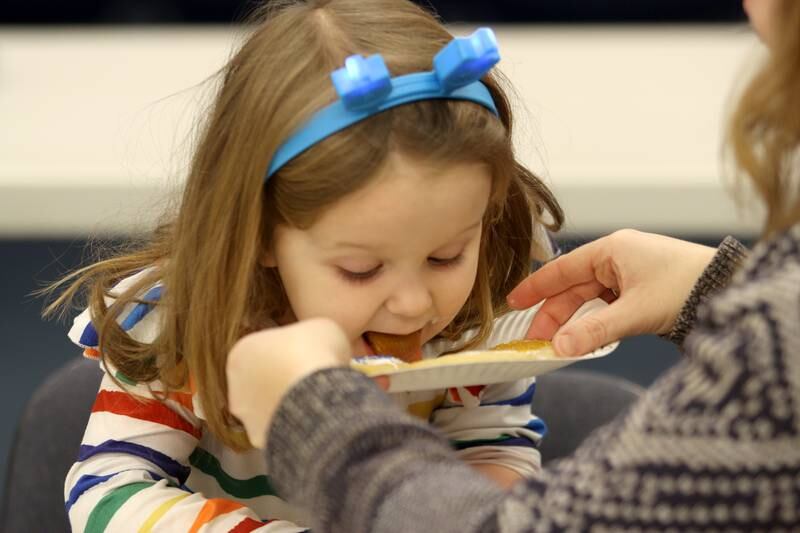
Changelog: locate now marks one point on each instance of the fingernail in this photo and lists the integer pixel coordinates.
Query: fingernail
(565, 345)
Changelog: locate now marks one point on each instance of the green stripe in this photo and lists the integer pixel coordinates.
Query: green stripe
(125, 379)
(239, 488)
(104, 511)
(462, 444)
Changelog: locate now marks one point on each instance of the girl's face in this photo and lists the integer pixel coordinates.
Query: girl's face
(760, 13)
(397, 256)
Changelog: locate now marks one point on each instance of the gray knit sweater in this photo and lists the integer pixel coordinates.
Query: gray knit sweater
(713, 445)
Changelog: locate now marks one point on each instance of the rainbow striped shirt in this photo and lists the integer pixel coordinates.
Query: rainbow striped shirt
(147, 465)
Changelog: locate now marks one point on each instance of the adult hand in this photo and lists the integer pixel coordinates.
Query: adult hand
(263, 366)
(645, 277)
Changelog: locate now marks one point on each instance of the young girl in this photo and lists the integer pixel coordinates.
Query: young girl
(389, 201)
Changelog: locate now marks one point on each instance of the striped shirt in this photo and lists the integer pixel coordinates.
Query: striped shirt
(146, 464)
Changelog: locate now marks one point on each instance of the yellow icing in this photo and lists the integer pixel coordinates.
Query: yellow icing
(523, 350)
(523, 345)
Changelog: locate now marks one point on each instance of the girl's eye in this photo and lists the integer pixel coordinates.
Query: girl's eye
(446, 262)
(359, 277)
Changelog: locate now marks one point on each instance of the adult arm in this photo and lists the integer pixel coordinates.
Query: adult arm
(715, 445)
(339, 445)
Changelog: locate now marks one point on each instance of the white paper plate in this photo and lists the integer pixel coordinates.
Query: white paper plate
(471, 368)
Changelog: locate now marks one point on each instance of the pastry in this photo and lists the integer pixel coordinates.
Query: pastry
(407, 348)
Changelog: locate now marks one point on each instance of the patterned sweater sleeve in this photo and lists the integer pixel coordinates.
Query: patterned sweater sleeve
(396, 474)
(713, 445)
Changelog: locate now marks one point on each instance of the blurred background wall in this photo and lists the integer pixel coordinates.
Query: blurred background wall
(621, 108)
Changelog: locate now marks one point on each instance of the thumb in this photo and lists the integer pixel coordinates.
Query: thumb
(593, 330)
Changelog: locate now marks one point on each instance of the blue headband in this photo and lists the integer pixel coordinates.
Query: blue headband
(366, 88)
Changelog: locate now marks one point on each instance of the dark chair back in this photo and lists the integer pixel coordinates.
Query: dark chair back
(575, 402)
(45, 446)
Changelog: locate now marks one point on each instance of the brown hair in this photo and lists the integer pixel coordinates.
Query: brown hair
(207, 258)
(764, 133)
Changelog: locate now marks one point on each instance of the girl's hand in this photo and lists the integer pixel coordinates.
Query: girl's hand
(645, 277)
(263, 366)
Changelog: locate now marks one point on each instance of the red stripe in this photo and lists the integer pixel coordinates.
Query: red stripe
(455, 395)
(122, 403)
(475, 390)
(247, 525)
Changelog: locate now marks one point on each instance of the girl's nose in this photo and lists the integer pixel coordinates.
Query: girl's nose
(410, 300)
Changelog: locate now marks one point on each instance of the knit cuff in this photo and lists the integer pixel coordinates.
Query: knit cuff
(730, 255)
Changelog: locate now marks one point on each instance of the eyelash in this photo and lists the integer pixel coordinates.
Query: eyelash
(446, 263)
(363, 277)
(358, 277)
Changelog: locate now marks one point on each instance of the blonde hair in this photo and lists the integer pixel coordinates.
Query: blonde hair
(764, 132)
(208, 257)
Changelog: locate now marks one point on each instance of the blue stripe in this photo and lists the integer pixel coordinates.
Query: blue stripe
(165, 463)
(89, 336)
(537, 425)
(86, 482)
(141, 309)
(514, 441)
(523, 399)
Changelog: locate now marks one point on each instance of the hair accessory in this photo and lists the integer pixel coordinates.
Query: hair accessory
(366, 88)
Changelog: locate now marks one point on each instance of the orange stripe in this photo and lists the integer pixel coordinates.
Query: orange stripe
(183, 398)
(212, 509)
(122, 403)
(91, 353)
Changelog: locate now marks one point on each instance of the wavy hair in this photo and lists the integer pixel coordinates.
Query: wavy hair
(207, 256)
(764, 131)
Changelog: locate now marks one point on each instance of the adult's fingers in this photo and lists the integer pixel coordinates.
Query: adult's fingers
(596, 329)
(557, 309)
(608, 296)
(574, 268)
